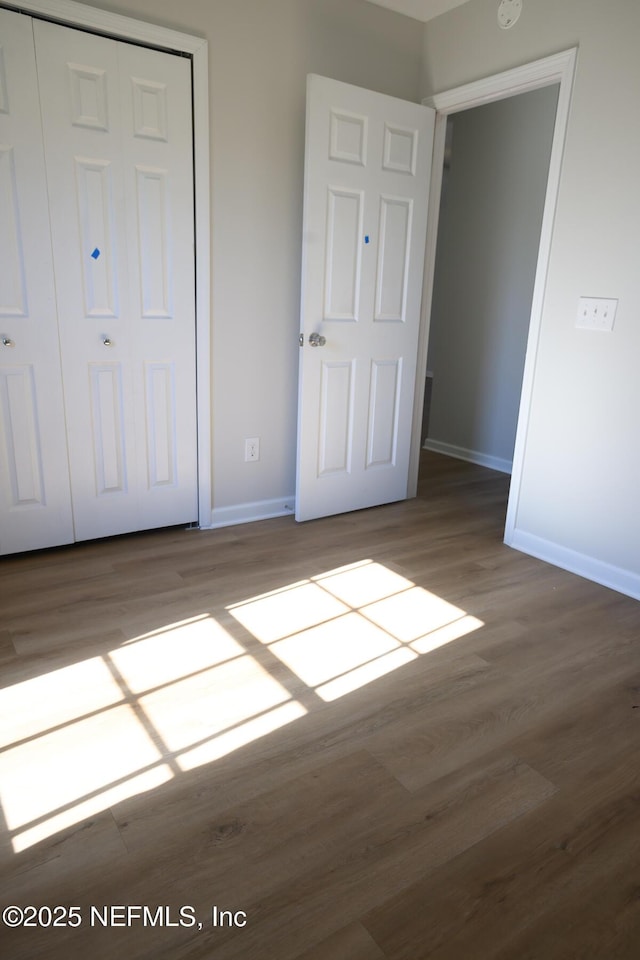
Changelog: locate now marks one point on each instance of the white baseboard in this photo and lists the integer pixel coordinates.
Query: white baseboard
(249, 512)
(473, 456)
(616, 578)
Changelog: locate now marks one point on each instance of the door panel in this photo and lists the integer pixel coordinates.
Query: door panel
(107, 416)
(81, 119)
(13, 291)
(336, 418)
(94, 191)
(117, 130)
(343, 255)
(367, 169)
(161, 406)
(155, 94)
(394, 257)
(23, 447)
(385, 389)
(35, 502)
(153, 245)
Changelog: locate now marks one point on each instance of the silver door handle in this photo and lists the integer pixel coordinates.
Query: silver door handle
(107, 342)
(7, 341)
(317, 340)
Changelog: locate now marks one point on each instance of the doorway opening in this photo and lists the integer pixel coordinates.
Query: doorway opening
(494, 180)
(557, 70)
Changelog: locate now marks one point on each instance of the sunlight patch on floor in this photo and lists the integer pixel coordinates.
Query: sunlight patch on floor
(367, 673)
(287, 611)
(341, 630)
(81, 738)
(411, 614)
(187, 647)
(55, 698)
(361, 583)
(77, 771)
(210, 702)
(339, 646)
(242, 735)
(446, 634)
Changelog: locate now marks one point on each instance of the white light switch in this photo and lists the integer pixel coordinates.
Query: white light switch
(594, 313)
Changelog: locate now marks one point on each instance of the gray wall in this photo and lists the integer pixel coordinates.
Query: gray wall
(581, 472)
(260, 52)
(488, 237)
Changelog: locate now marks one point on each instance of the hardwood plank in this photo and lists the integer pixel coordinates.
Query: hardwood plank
(521, 892)
(169, 705)
(350, 943)
(329, 734)
(90, 848)
(7, 649)
(420, 835)
(501, 898)
(505, 707)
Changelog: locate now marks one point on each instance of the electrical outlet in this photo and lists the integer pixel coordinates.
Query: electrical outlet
(594, 313)
(252, 449)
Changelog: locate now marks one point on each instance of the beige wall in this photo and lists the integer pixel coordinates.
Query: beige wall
(581, 481)
(260, 52)
(582, 463)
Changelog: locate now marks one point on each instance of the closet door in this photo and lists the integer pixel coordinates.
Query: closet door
(35, 504)
(117, 134)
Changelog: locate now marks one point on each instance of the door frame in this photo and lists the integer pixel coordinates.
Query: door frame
(118, 27)
(558, 68)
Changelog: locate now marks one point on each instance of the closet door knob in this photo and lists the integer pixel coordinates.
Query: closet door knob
(7, 341)
(107, 342)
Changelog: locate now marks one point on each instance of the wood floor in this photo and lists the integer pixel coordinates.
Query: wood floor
(380, 735)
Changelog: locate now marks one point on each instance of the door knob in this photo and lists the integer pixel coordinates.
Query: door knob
(317, 340)
(7, 341)
(107, 342)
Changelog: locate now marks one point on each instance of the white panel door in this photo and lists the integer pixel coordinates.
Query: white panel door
(367, 169)
(35, 503)
(117, 133)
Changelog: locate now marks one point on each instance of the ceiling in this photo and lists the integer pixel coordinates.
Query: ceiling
(420, 9)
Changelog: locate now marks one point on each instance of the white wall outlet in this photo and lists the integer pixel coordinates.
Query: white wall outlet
(252, 449)
(594, 313)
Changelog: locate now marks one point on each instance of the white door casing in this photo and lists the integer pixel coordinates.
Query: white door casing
(117, 134)
(558, 68)
(35, 503)
(367, 170)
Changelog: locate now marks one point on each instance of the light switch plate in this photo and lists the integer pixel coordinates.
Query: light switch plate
(596, 313)
(251, 449)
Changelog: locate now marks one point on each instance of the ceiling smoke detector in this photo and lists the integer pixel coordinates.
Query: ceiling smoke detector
(508, 13)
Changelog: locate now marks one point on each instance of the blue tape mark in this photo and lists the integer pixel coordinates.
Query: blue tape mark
(366, 239)
(95, 254)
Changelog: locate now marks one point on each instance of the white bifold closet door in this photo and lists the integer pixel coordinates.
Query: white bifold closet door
(35, 499)
(116, 127)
